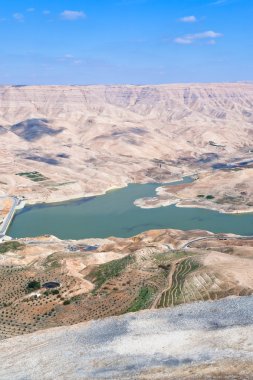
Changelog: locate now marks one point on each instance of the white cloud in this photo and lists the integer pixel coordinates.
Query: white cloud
(72, 15)
(223, 2)
(219, 2)
(189, 39)
(46, 12)
(30, 10)
(188, 19)
(183, 41)
(18, 16)
(208, 34)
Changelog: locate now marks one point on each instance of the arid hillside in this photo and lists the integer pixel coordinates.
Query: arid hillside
(46, 282)
(62, 142)
(229, 191)
(202, 341)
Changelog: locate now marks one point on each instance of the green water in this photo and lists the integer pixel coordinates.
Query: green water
(114, 214)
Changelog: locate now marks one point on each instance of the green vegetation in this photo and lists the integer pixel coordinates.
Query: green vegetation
(10, 246)
(173, 296)
(66, 302)
(165, 258)
(33, 176)
(65, 183)
(52, 262)
(109, 270)
(209, 196)
(143, 300)
(33, 285)
(55, 291)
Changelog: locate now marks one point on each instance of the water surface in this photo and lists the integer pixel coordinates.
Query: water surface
(114, 214)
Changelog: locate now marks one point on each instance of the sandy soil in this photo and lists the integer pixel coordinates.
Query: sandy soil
(5, 206)
(229, 192)
(232, 268)
(86, 140)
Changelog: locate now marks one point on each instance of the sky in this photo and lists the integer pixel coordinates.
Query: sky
(125, 41)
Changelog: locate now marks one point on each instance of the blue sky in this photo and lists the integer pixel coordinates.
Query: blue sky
(125, 41)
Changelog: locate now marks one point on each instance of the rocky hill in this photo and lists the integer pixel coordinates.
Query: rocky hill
(206, 340)
(86, 139)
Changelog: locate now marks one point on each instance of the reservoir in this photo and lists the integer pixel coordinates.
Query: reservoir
(114, 214)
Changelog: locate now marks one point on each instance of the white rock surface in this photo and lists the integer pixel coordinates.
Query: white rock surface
(203, 340)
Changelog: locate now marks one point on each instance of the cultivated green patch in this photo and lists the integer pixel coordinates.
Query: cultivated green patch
(165, 258)
(143, 300)
(10, 246)
(52, 262)
(33, 176)
(173, 296)
(109, 270)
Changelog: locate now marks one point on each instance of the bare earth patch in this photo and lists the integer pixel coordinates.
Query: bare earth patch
(225, 191)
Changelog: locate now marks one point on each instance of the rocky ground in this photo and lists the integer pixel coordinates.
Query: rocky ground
(63, 142)
(98, 278)
(206, 340)
(229, 191)
(5, 206)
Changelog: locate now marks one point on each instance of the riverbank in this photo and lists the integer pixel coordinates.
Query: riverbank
(79, 196)
(149, 203)
(222, 191)
(115, 214)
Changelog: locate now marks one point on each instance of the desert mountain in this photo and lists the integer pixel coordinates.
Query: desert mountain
(86, 139)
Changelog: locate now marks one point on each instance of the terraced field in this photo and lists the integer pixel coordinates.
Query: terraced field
(189, 281)
(118, 276)
(174, 294)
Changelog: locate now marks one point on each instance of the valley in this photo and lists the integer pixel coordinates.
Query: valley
(72, 142)
(98, 278)
(136, 204)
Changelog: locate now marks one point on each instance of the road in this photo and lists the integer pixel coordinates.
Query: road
(187, 245)
(7, 220)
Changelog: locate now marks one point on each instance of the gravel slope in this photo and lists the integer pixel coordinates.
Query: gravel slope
(204, 340)
(87, 139)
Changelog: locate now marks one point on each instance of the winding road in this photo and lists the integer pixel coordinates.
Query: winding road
(238, 237)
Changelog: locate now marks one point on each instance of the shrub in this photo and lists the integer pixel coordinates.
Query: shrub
(209, 197)
(10, 246)
(33, 285)
(143, 299)
(109, 270)
(55, 291)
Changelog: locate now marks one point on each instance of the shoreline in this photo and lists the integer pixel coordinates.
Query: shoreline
(139, 202)
(97, 194)
(77, 198)
(177, 203)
